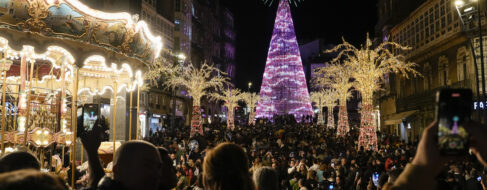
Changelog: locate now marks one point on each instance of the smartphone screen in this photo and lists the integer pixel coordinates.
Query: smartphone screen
(375, 178)
(331, 185)
(90, 115)
(453, 112)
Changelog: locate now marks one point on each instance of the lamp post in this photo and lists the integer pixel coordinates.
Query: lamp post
(180, 58)
(467, 10)
(249, 86)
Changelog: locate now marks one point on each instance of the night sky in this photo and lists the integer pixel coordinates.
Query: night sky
(327, 19)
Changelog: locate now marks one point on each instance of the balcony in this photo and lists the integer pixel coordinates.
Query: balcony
(424, 98)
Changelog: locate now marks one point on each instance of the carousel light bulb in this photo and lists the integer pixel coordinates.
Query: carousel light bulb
(45, 142)
(46, 132)
(38, 132)
(21, 123)
(38, 142)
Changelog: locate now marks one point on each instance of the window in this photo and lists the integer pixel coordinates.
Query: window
(177, 5)
(427, 76)
(462, 60)
(176, 25)
(443, 70)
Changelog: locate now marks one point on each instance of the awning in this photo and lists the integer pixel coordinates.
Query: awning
(397, 118)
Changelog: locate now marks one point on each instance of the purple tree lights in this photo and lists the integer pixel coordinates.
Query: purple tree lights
(284, 90)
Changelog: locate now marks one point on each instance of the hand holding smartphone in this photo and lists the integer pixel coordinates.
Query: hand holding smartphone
(453, 112)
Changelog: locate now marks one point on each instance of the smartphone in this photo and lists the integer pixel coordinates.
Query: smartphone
(332, 165)
(91, 113)
(479, 178)
(453, 112)
(375, 178)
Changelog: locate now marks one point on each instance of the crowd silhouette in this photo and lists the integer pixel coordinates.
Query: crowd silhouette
(282, 154)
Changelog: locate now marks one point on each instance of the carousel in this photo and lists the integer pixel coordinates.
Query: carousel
(62, 61)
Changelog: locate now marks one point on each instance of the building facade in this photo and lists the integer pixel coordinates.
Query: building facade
(443, 56)
(202, 30)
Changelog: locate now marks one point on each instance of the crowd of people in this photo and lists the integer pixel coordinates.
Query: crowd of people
(282, 154)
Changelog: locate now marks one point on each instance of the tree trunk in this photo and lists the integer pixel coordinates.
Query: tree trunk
(331, 118)
(230, 123)
(252, 117)
(343, 127)
(321, 121)
(196, 122)
(368, 135)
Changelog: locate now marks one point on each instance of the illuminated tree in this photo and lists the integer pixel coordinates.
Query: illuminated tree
(231, 98)
(197, 81)
(251, 100)
(284, 90)
(330, 101)
(295, 2)
(370, 65)
(338, 77)
(318, 99)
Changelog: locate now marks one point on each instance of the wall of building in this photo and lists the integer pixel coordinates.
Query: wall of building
(443, 57)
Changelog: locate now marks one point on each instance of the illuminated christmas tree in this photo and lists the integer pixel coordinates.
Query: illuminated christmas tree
(284, 90)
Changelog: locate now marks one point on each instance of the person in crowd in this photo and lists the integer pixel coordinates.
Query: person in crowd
(168, 174)
(266, 178)
(27, 179)
(136, 165)
(226, 167)
(182, 180)
(19, 160)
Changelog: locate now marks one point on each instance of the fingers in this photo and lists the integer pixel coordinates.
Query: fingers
(429, 134)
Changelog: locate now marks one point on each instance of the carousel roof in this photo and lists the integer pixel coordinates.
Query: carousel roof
(72, 25)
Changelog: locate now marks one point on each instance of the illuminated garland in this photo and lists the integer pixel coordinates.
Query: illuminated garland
(196, 81)
(331, 119)
(196, 122)
(284, 90)
(318, 99)
(231, 98)
(293, 2)
(337, 76)
(369, 68)
(368, 135)
(251, 100)
(343, 127)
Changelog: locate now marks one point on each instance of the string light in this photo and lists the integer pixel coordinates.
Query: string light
(197, 81)
(369, 66)
(231, 98)
(337, 76)
(251, 99)
(284, 89)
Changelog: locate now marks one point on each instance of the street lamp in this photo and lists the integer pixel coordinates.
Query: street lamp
(181, 58)
(250, 86)
(467, 10)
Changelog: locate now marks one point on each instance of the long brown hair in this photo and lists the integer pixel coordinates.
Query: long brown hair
(226, 167)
